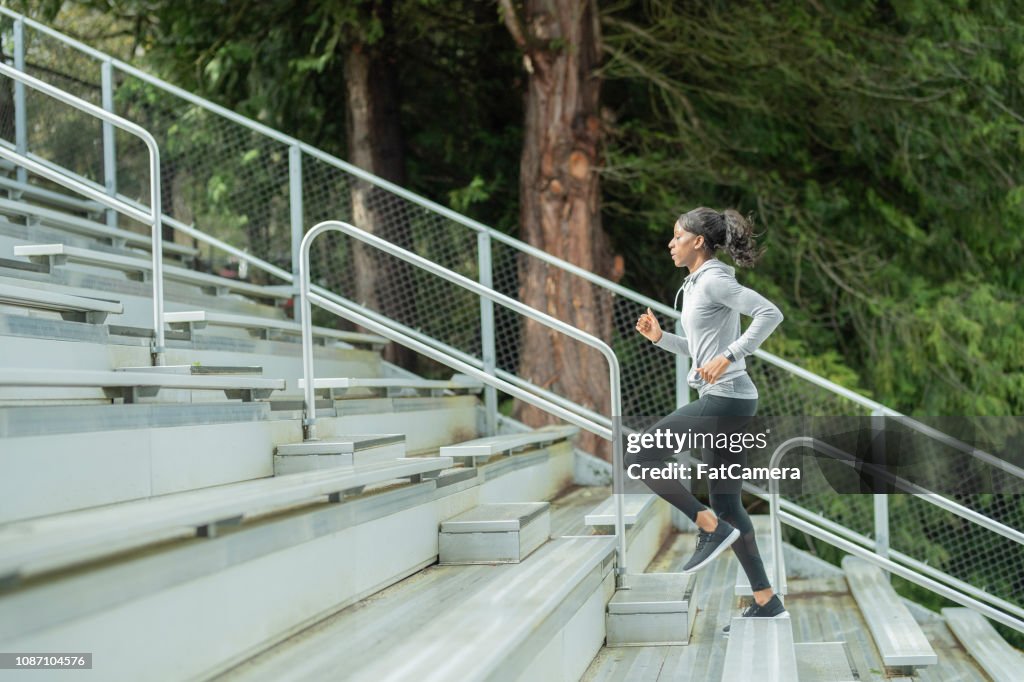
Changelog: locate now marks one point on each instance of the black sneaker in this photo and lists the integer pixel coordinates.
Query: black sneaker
(710, 545)
(773, 608)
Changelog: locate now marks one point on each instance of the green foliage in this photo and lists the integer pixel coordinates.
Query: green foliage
(879, 144)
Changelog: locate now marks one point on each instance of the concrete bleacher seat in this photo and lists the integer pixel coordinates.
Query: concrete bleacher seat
(71, 306)
(261, 326)
(54, 255)
(89, 228)
(998, 659)
(900, 640)
(133, 385)
(48, 543)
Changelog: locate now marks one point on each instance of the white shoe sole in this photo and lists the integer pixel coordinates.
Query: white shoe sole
(726, 543)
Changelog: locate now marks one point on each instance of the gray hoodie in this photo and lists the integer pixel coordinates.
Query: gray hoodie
(712, 303)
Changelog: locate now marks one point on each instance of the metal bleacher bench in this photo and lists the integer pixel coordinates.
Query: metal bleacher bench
(339, 387)
(53, 255)
(1001, 661)
(90, 228)
(197, 319)
(760, 649)
(17, 189)
(43, 544)
(133, 385)
(900, 641)
(484, 448)
(70, 306)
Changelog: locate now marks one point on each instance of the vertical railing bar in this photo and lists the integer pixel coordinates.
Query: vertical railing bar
(296, 217)
(109, 139)
(20, 119)
(487, 335)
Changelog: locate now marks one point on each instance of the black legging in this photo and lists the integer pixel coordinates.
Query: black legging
(725, 493)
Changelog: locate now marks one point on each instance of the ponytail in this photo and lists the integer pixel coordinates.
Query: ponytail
(728, 230)
(740, 238)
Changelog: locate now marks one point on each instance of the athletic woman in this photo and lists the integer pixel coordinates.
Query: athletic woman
(712, 303)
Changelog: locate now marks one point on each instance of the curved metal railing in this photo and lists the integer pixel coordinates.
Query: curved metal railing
(578, 418)
(153, 216)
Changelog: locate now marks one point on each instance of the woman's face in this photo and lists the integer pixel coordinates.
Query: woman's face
(684, 246)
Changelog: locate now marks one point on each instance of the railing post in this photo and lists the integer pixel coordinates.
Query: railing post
(109, 138)
(296, 210)
(487, 350)
(881, 500)
(20, 120)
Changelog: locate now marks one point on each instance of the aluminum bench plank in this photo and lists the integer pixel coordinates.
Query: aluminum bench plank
(54, 300)
(760, 649)
(493, 445)
(64, 539)
(897, 635)
(88, 227)
(996, 657)
(392, 382)
(115, 378)
(130, 264)
(254, 322)
(49, 196)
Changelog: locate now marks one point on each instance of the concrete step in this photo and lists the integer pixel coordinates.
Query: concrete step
(656, 610)
(494, 533)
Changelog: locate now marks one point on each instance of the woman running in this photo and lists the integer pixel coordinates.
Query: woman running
(712, 303)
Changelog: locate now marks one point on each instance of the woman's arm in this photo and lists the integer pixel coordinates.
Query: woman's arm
(673, 343)
(766, 315)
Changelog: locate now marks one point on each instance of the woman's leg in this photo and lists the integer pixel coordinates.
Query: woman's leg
(672, 490)
(726, 493)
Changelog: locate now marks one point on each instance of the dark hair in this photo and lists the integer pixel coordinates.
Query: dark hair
(726, 230)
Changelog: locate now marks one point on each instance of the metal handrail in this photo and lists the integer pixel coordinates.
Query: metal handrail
(776, 516)
(307, 298)
(155, 213)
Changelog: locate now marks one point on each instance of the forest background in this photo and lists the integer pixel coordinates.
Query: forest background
(877, 143)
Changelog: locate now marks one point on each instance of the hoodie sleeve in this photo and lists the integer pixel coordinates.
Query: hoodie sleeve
(673, 343)
(766, 315)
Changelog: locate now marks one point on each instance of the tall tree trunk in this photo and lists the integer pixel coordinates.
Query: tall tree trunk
(375, 144)
(559, 202)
